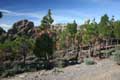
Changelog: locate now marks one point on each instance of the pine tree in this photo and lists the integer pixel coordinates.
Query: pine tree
(104, 26)
(72, 28)
(47, 20)
(44, 48)
(117, 29)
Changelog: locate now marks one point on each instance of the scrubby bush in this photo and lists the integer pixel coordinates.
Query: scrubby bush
(108, 53)
(60, 63)
(116, 56)
(89, 61)
(7, 73)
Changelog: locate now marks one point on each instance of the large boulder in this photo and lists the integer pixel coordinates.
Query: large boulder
(22, 27)
(71, 55)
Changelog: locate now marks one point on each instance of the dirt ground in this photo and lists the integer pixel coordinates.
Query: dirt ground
(104, 70)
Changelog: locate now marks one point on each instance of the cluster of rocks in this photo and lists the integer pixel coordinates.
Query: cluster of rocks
(66, 57)
(19, 28)
(67, 54)
(22, 27)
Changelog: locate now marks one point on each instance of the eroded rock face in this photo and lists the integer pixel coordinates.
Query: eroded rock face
(22, 27)
(67, 54)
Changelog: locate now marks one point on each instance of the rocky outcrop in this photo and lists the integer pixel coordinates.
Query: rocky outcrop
(2, 35)
(22, 27)
(68, 55)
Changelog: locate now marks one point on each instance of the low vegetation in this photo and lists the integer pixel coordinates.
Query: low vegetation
(89, 61)
(116, 57)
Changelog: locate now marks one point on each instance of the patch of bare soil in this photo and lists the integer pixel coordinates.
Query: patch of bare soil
(104, 70)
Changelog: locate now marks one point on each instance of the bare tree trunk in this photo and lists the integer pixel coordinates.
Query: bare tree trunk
(117, 45)
(47, 61)
(24, 59)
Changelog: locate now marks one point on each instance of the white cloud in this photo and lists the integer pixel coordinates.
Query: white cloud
(5, 26)
(12, 13)
(70, 15)
(59, 15)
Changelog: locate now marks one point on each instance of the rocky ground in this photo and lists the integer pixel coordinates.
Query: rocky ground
(104, 70)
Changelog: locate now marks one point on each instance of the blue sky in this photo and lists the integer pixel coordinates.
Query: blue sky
(64, 11)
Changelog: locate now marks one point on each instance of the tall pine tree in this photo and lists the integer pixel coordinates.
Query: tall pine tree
(47, 20)
(104, 27)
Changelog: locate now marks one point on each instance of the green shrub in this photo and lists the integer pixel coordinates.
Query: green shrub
(60, 63)
(116, 56)
(7, 73)
(89, 61)
(108, 53)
